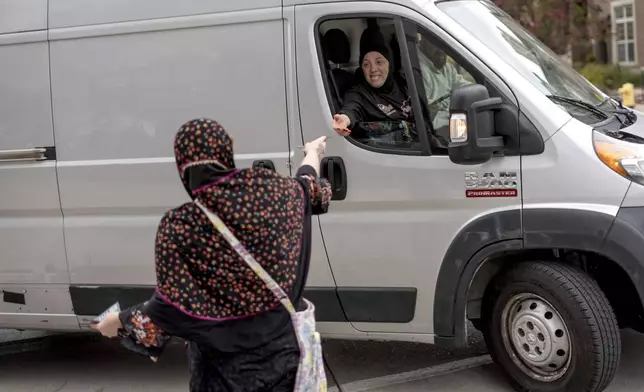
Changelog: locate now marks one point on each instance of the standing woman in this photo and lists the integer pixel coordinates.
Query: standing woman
(240, 337)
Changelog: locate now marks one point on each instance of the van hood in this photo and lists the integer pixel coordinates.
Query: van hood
(638, 127)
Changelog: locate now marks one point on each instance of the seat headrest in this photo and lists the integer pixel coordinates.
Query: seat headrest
(336, 46)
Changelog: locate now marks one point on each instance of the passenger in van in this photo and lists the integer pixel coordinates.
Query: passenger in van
(440, 79)
(380, 94)
(240, 337)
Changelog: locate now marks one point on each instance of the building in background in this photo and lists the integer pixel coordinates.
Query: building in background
(627, 41)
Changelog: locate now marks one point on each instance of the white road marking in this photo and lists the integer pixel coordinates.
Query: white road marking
(414, 375)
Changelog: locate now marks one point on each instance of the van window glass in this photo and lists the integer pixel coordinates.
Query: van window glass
(367, 86)
(531, 58)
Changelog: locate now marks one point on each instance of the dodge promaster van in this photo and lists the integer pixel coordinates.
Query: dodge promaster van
(529, 223)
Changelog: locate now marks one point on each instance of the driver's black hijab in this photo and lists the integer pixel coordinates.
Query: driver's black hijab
(393, 90)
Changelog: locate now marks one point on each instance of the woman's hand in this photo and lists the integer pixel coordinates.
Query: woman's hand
(318, 146)
(341, 124)
(313, 153)
(110, 325)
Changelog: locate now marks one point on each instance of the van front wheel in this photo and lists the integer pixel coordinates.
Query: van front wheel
(551, 328)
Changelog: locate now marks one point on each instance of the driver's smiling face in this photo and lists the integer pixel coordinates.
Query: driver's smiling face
(375, 68)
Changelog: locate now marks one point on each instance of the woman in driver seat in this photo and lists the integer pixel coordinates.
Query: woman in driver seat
(380, 95)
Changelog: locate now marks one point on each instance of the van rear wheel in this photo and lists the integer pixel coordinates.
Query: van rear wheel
(551, 328)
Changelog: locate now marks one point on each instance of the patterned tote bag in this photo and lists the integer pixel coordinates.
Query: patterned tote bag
(310, 372)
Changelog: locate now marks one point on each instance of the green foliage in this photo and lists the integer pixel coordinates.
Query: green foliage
(609, 77)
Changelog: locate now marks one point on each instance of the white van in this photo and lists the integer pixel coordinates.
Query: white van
(530, 224)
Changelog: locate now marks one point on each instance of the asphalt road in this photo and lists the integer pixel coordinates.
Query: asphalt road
(87, 363)
(488, 378)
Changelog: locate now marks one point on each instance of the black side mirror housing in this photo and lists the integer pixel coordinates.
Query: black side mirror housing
(474, 107)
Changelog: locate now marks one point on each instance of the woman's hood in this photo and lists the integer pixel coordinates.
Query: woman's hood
(202, 149)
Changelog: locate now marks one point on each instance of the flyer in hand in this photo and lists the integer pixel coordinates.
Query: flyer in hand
(114, 308)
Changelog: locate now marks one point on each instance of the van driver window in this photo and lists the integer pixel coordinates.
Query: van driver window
(368, 91)
(368, 88)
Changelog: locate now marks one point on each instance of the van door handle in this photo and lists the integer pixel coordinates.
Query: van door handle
(334, 170)
(30, 154)
(264, 164)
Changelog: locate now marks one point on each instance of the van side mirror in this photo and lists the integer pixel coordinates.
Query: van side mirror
(471, 125)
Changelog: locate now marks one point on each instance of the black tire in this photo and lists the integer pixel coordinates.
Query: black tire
(594, 341)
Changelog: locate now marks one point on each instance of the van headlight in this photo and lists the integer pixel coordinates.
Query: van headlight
(624, 158)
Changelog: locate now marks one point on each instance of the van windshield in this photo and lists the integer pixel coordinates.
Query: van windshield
(530, 57)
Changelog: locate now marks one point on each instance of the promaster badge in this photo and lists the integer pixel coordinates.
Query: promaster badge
(491, 184)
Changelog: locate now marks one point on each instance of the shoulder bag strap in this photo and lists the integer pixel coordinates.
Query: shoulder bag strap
(248, 258)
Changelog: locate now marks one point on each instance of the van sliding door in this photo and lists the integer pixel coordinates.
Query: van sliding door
(34, 278)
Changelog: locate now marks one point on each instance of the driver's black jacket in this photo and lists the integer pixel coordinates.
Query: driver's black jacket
(389, 103)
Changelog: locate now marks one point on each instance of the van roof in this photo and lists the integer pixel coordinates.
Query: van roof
(286, 3)
(62, 16)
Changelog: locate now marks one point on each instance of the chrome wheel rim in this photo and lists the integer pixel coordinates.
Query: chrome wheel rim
(536, 337)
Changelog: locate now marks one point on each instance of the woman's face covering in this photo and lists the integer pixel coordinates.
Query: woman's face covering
(375, 68)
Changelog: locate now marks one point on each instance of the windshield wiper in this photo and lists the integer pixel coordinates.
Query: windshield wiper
(630, 115)
(621, 109)
(580, 104)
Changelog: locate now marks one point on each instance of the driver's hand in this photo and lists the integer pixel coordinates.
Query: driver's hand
(341, 124)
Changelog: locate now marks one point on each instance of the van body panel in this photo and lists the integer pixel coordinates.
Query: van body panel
(40, 321)
(152, 82)
(119, 100)
(34, 278)
(31, 235)
(25, 91)
(162, 25)
(288, 3)
(24, 38)
(569, 171)
(31, 222)
(319, 270)
(491, 231)
(67, 13)
(90, 300)
(22, 15)
(393, 235)
(567, 226)
(624, 245)
(36, 299)
(635, 196)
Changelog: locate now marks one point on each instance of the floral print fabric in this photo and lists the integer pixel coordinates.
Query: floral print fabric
(310, 373)
(206, 294)
(141, 334)
(197, 271)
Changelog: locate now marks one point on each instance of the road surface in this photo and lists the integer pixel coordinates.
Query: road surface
(83, 363)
